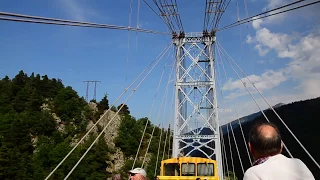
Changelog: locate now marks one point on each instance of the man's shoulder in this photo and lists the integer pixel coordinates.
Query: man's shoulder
(274, 166)
(251, 174)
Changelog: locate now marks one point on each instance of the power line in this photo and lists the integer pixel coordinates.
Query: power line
(249, 20)
(266, 12)
(43, 20)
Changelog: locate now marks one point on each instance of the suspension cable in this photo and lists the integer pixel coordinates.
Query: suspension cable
(165, 143)
(234, 106)
(219, 82)
(149, 114)
(171, 115)
(155, 169)
(125, 90)
(169, 142)
(253, 98)
(294, 136)
(225, 151)
(231, 152)
(129, 38)
(163, 99)
(238, 15)
(222, 152)
(138, 21)
(235, 142)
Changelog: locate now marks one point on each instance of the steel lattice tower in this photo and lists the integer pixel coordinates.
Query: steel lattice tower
(196, 126)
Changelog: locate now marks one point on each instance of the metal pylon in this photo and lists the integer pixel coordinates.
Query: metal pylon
(195, 75)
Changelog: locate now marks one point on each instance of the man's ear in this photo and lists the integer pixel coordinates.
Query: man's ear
(250, 148)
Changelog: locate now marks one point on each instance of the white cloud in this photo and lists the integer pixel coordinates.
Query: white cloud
(77, 10)
(261, 61)
(303, 69)
(276, 3)
(268, 80)
(277, 41)
(256, 23)
(249, 39)
(262, 51)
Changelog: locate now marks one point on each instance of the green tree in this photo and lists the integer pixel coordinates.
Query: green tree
(103, 104)
(129, 136)
(114, 109)
(124, 110)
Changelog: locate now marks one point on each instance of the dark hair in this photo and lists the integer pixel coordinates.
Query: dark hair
(265, 145)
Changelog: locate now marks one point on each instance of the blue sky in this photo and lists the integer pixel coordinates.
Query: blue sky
(279, 54)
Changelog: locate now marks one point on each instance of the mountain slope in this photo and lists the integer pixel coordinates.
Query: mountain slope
(301, 117)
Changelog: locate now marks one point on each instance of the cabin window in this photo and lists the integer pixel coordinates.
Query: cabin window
(205, 169)
(172, 169)
(188, 169)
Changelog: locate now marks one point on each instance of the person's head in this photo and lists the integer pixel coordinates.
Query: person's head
(137, 174)
(264, 140)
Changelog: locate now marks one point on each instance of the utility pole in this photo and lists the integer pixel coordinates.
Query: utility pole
(95, 89)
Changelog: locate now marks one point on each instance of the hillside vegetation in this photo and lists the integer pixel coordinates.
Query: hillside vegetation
(41, 120)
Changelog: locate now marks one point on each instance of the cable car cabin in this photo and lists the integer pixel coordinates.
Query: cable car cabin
(187, 168)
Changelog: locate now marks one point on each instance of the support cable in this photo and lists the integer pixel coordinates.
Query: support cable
(129, 36)
(149, 114)
(169, 142)
(155, 169)
(234, 176)
(163, 99)
(225, 151)
(253, 99)
(294, 136)
(165, 143)
(133, 91)
(222, 154)
(125, 90)
(234, 106)
(238, 15)
(138, 19)
(171, 115)
(165, 18)
(235, 142)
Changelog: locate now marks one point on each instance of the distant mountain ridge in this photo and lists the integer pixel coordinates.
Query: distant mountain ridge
(245, 119)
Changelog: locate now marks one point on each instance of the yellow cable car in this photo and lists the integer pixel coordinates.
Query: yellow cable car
(187, 168)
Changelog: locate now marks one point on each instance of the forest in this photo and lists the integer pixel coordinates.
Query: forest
(41, 119)
(303, 120)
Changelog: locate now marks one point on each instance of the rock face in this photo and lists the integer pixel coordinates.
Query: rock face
(113, 121)
(59, 124)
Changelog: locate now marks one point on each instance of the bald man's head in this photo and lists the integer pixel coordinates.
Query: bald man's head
(265, 139)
